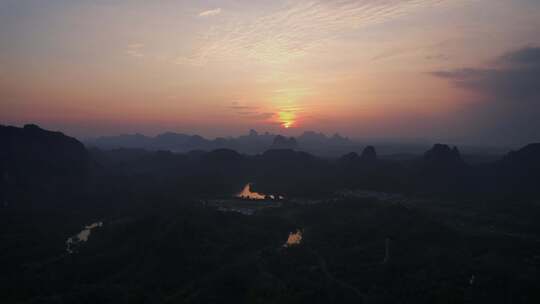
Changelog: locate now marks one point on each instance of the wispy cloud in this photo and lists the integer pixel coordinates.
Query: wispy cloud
(250, 112)
(509, 95)
(209, 13)
(294, 30)
(135, 49)
(514, 76)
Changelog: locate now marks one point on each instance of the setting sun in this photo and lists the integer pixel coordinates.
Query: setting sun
(363, 68)
(287, 119)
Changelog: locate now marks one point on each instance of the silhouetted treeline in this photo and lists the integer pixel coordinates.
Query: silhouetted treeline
(38, 161)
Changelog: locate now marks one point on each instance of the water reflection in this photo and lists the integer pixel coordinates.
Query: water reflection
(82, 236)
(295, 238)
(246, 193)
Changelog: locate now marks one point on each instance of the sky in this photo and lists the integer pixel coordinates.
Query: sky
(443, 70)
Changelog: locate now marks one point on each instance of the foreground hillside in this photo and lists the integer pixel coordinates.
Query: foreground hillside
(133, 226)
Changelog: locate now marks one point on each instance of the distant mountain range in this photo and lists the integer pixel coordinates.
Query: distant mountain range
(33, 158)
(254, 142)
(251, 143)
(316, 143)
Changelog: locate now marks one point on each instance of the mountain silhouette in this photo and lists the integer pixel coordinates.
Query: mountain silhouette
(369, 154)
(35, 162)
(38, 159)
(282, 142)
(443, 155)
(251, 143)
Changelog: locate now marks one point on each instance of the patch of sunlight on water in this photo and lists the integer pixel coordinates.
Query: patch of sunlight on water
(81, 236)
(295, 238)
(246, 193)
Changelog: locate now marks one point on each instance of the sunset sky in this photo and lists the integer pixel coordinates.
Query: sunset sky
(454, 70)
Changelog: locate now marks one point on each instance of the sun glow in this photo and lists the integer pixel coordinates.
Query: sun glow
(287, 119)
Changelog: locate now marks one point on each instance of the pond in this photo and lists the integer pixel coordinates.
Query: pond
(294, 239)
(246, 193)
(76, 240)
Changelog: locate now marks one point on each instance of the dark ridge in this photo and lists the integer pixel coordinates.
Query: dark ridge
(369, 154)
(349, 158)
(443, 154)
(282, 142)
(223, 155)
(37, 163)
(529, 154)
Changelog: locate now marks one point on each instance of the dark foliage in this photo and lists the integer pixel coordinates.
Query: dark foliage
(452, 232)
